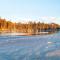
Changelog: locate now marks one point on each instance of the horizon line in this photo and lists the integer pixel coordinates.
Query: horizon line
(44, 19)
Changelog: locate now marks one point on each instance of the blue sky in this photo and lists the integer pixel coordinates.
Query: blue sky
(27, 10)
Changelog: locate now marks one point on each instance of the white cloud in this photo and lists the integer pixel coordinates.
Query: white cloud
(44, 19)
(47, 19)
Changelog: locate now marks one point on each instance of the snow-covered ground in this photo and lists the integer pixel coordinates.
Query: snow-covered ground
(36, 47)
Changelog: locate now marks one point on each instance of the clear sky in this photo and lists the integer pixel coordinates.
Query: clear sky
(35, 10)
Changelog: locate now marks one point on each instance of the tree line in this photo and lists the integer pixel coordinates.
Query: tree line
(30, 27)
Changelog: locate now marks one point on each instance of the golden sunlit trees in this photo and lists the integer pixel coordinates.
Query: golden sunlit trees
(30, 27)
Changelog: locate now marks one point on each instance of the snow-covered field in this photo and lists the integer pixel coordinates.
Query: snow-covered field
(36, 47)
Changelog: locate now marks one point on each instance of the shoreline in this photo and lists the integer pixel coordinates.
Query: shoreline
(25, 34)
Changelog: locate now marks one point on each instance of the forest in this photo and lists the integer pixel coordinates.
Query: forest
(30, 27)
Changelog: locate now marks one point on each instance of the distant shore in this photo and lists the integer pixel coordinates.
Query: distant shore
(25, 34)
(29, 28)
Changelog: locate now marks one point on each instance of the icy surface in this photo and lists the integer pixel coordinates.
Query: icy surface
(39, 47)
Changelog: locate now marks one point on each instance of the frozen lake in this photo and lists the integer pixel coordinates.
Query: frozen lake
(39, 47)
